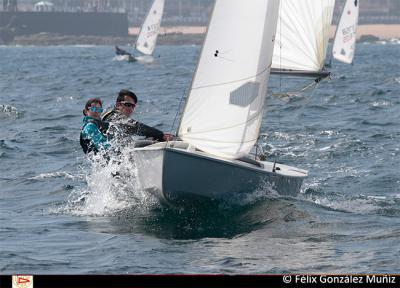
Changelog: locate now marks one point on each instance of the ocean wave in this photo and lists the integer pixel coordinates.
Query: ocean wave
(391, 80)
(8, 111)
(329, 133)
(372, 123)
(56, 128)
(380, 104)
(359, 204)
(62, 99)
(54, 118)
(378, 92)
(59, 174)
(4, 145)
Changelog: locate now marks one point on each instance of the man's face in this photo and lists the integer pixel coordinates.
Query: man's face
(127, 106)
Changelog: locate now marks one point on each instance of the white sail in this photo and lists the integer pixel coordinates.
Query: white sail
(302, 35)
(147, 38)
(344, 44)
(224, 108)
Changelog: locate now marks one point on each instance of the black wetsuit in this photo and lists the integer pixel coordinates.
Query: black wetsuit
(120, 51)
(130, 126)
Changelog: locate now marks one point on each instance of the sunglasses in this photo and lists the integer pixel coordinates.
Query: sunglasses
(128, 104)
(96, 109)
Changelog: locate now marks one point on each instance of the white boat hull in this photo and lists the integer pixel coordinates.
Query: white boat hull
(145, 59)
(176, 174)
(127, 58)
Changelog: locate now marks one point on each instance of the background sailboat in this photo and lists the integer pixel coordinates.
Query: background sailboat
(222, 118)
(148, 34)
(344, 44)
(302, 37)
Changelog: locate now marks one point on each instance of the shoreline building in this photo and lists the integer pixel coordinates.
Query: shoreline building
(26, 18)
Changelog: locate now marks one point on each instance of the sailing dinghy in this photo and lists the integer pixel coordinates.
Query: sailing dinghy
(147, 38)
(222, 117)
(344, 44)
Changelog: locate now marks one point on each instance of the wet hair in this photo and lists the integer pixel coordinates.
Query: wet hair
(124, 92)
(90, 102)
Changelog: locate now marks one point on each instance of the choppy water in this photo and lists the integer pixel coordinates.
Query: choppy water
(61, 214)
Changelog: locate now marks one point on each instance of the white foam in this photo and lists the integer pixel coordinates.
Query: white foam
(121, 58)
(112, 186)
(59, 174)
(8, 111)
(381, 103)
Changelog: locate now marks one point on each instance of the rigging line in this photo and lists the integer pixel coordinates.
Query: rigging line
(296, 92)
(314, 83)
(234, 81)
(176, 117)
(308, 99)
(177, 111)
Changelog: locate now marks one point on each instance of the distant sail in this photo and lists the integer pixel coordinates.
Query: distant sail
(146, 41)
(224, 109)
(302, 36)
(344, 44)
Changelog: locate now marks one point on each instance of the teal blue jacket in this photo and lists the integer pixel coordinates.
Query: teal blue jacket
(92, 138)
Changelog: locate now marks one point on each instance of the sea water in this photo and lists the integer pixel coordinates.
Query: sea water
(63, 213)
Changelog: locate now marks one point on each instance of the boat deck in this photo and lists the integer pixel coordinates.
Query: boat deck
(247, 161)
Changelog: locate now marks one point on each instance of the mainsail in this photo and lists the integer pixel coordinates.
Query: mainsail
(344, 44)
(146, 41)
(223, 111)
(302, 36)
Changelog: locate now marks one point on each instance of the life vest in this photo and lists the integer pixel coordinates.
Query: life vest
(107, 114)
(86, 144)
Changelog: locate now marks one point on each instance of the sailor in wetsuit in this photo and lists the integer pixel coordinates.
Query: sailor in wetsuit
(123, 125)
(120, 51)
(93, 135)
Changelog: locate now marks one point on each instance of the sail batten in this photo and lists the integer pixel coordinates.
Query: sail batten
(233, 81)
(223, 112)
(302, 35)
(147, 38)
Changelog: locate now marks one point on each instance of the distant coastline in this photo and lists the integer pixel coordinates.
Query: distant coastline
(181, 35)
(381, 31)
(51, 39)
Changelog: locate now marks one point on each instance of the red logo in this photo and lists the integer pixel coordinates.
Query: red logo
(22, 281)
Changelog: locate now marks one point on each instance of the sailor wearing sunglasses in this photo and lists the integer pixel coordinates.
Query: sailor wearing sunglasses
(93, 135)
(121, 113)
